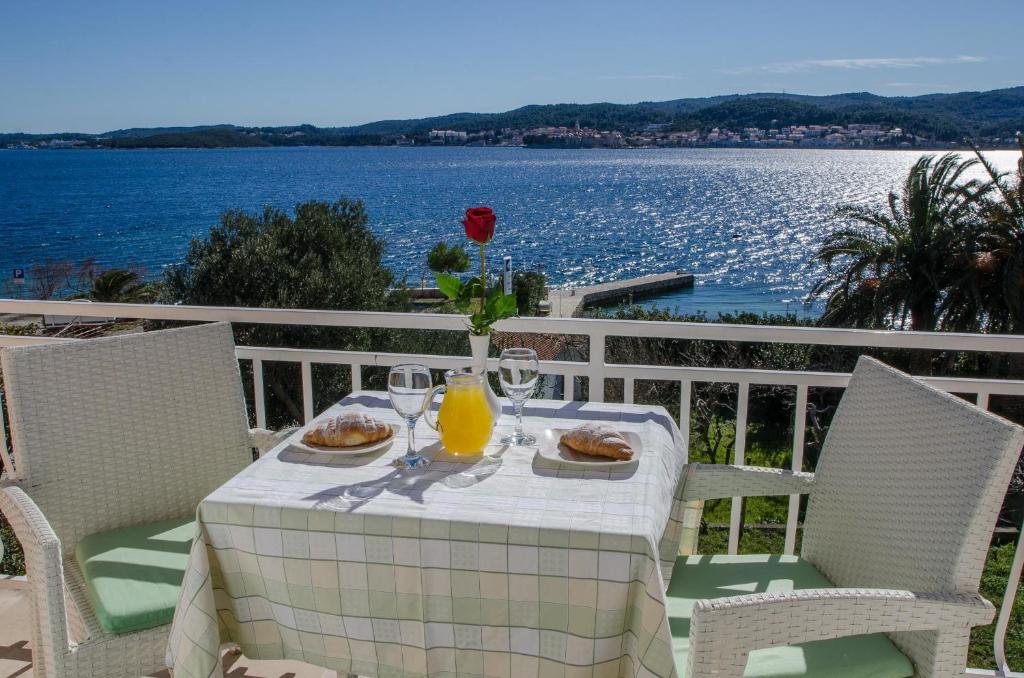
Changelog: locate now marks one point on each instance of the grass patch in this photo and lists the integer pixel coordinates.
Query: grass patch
(993, 584)
(13, 561)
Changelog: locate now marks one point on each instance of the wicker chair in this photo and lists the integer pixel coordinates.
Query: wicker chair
(110, 433)
(899, 519)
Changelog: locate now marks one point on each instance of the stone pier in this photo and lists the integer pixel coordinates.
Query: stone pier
(570, 302)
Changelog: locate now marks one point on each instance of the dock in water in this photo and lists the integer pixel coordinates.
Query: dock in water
(570, 302)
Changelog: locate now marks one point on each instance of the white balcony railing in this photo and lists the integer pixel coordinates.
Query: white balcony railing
(596, 370)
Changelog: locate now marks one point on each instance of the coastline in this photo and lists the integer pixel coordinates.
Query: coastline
(740, 147)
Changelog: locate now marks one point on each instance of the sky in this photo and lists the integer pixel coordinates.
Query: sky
(97, 66)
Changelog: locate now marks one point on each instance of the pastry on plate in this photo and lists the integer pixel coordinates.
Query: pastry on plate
(348, 429)
(599, 440)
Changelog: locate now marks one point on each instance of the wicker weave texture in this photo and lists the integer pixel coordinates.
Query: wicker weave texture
(46, 579)
(900, 515)
(109, 433)
(717, 481)
(908, 486)
(126, 430)
(726, 630)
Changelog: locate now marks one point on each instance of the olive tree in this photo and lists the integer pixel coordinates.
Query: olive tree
(323, 257)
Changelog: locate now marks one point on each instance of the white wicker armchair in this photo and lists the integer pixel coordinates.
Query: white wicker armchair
(109, 433)
(900, 515)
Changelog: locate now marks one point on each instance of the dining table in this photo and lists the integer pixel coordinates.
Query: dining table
(509, 564)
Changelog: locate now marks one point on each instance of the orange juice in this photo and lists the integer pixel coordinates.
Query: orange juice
(465, 420)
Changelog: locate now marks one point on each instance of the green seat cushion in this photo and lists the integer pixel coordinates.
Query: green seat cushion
(707, 577)
(134, 574)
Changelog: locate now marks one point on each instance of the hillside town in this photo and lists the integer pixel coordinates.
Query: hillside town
(662, 136)
(657, 135)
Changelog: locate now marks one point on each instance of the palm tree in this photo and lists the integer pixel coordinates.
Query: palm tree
(119, 285)
(895, 264)
(998, 250)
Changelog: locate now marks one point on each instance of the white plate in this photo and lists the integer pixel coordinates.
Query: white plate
(550, 447)
(297, 444)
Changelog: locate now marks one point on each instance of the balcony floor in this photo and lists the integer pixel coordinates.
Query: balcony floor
(16, 654)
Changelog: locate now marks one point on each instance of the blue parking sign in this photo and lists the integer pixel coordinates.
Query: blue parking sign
(19, 276)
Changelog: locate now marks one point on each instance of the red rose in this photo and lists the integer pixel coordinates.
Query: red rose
(479, 223)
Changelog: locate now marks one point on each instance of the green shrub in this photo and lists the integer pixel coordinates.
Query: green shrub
(530, 288)
(448, 259)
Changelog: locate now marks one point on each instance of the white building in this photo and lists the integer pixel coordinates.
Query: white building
(447, 136)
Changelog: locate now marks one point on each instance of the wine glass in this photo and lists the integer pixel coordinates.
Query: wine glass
(518, 370)
(408, 386)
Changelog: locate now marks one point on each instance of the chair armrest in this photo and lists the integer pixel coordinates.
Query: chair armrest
(724, 631)
(715, 481)
(45, 569)
(265, 440)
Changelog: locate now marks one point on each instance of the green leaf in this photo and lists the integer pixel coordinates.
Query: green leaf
(505, 306)
(490, 307)
(498, 306)
(480, 322)
(449, 285)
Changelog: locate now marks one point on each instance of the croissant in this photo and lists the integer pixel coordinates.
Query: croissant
(599, 440)
(347, 429)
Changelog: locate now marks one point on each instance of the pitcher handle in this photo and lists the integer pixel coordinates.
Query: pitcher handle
(442, 389)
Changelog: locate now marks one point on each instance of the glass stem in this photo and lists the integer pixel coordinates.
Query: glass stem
(410, 450)
(519, 417)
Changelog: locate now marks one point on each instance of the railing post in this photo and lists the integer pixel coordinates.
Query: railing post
(259, 397)
(357, 378)
(307, 392)
(627, 391)
(799, 426)
(736, 510)
(685, 389)
(595, 371)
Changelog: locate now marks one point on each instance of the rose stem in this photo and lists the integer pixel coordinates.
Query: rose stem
(483, 278)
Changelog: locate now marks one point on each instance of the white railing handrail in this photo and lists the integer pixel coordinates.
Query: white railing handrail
(730, 375)
(997, 343)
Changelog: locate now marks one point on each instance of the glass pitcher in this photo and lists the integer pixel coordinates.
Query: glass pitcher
(465, 420)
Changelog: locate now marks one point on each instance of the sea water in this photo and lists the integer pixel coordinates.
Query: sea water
(745, 221)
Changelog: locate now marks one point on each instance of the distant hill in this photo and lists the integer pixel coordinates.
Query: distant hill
(212, 137)
(136, 132)
(946, 117)
(941, 117)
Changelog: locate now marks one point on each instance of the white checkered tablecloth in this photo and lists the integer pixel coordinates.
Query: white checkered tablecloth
(511, 566)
